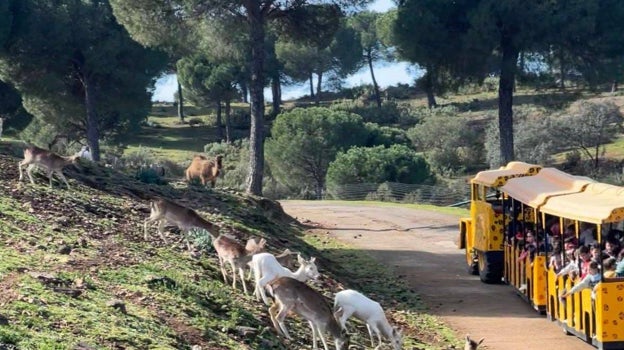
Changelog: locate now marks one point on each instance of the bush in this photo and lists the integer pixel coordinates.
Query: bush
(240, 119)
(195, 121)
(397, 163)
(449, 144)
(148, 175)
(385, 136)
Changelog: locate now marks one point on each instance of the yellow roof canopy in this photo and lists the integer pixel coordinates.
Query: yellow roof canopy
(499, 177)
(535, 190)
(599, 203)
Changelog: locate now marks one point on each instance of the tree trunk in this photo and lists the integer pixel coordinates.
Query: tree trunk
(244, 90)
(180, 103)
(509, 62)
(311, 86)
(614, 86)
(277, 95)
(431, 102)
(93, 132)
(228, 123)
(319, 83)
(561, 71)
(219, 122)
(369, 58)
(256, 137)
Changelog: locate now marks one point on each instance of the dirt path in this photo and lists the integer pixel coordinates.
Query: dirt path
(420, 246)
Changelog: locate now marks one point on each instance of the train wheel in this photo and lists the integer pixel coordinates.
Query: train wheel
(490, 267)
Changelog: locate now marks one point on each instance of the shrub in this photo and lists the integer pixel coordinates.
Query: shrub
(385, 136)
(397, 163)
(449, 144)
(195, 121)
(148, 175)
(305, 140)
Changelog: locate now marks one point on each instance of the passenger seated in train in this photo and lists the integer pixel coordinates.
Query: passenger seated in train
(572, 267)
(596, 253)
(555, 260)
(609, 268)
(612, 248)
(619, 267)
(590, 281)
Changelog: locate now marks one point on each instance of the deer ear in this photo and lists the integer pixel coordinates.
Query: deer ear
(312, 259)
(262, 242)
(480, 341)
(468, 337)
(300, 259)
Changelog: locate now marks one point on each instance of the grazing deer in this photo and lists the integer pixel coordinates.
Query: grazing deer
(205, 169)
(51, 161)
(165, 211)
(471, 344)
(295, 296)
(287, 259)
(228, 249)
(266, 268)
(352, 303)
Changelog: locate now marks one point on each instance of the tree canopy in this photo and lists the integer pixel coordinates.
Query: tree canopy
(78, 69)
(304, 141)
(253, 15)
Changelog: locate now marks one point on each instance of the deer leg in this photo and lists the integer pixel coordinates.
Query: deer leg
(283, 312)
(273, 311)
(370, 333)
(29, 173)
(212, 183)
(314, 342)
(261, 284)
(233, 265)
(375, 329)
(242, 276)
(320, 333)
(161, 230)
(60, 174)
(21, 171)
(222, 266)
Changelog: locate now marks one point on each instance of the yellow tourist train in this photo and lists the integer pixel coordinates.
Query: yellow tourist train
(527, 222)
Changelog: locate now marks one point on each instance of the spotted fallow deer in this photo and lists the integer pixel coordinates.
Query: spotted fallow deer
(294, 296)
(52, 162)
(228, 249)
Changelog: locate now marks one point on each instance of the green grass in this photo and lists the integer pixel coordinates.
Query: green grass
(173, 300)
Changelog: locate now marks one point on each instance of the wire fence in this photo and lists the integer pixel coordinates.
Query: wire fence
(439, 195)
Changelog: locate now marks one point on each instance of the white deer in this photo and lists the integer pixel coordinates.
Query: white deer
(228, 249)
(352, 303)
(266, 268)
(471, 344)
(295, 296)
(51, 161)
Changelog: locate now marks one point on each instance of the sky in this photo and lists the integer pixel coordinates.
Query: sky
(386, 73)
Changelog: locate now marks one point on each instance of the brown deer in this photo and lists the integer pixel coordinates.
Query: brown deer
(204, 169)
(471, 344)
(295, 296)
(228, 249)
(53, 163)
(163, 211)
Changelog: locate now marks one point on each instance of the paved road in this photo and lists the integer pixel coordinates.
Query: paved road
(420, 246)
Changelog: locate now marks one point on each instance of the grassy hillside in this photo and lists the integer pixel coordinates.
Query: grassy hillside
(75, 272)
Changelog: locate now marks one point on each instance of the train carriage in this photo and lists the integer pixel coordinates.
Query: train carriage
(598, 320)
(509, 205)
(481, 235)
(524, 196)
